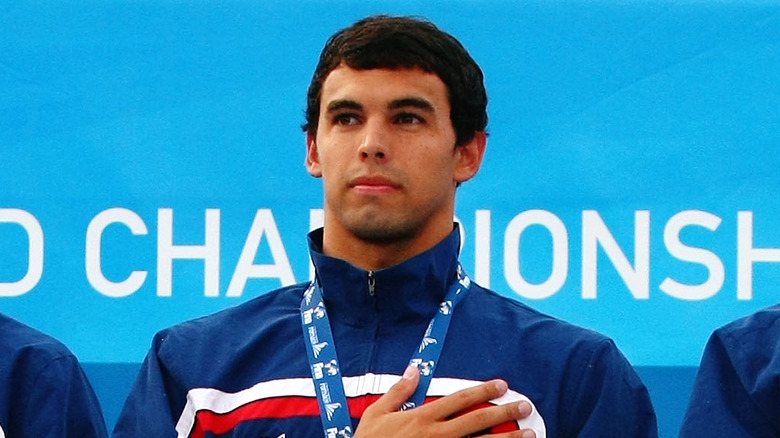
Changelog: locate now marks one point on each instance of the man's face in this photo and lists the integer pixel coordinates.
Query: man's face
(385, 148)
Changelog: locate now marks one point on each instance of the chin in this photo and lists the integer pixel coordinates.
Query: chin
(383, 231)
(382, 235)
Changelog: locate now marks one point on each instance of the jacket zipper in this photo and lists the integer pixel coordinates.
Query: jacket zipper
(371, 283)
(375, 344)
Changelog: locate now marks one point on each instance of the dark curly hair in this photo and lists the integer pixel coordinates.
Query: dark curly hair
(383, 41)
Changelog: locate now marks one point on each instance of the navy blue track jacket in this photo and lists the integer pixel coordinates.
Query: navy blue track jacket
(737, 388)
(244, 372)
(44, 393)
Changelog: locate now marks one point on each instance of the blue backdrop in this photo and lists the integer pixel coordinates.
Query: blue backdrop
(151, 166)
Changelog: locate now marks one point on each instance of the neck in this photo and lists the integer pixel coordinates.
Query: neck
(373, 255)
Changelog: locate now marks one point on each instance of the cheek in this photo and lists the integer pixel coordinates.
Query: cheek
(434, 171)
(439, 158)
(329, 158)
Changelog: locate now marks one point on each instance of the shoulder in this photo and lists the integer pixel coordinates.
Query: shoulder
(519, 318)
(526, 334)
(278, 307)
(561, 345)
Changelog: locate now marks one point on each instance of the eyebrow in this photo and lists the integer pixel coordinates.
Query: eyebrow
(414, 102)
(343, 104)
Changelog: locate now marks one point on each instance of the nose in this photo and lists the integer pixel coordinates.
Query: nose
(375, 143)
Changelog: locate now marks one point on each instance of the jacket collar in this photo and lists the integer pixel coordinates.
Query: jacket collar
(409, 291)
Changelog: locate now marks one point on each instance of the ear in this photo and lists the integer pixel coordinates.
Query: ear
(312, 157)
(468, 157)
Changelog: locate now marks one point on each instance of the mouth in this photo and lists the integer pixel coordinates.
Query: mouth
(373, 185)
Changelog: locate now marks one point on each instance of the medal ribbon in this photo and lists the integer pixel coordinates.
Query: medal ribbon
(317, 333)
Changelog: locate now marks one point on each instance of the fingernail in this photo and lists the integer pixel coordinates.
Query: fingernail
(410, 372)
(525, 409)
(501, 386)
(529, 434)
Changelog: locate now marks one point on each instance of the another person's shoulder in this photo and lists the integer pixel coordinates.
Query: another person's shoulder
(45, 390)
(758, 328)
(736, 391)
(22, 343)
(751, 342)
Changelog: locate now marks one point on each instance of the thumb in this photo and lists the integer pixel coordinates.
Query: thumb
(398, 393)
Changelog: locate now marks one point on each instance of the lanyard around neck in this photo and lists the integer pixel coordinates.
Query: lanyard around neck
(317, 333)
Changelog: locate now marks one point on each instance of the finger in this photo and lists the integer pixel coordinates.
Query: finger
(527, 433)
(464, 399)
(399, 393)
(485, 418)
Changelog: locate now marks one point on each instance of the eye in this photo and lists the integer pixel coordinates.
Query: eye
(346, 119)
(408, 119)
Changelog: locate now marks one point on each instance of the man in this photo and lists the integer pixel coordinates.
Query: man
(43, 390)
(737, 388)
(395, 122)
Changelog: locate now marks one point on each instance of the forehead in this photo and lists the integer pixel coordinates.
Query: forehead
(382, 86)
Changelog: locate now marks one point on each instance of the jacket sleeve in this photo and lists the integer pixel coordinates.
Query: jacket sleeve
(734, 393)
(57, 402)
(148, 410)
(610, 399)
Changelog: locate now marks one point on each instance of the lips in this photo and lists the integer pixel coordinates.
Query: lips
(373, 184)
